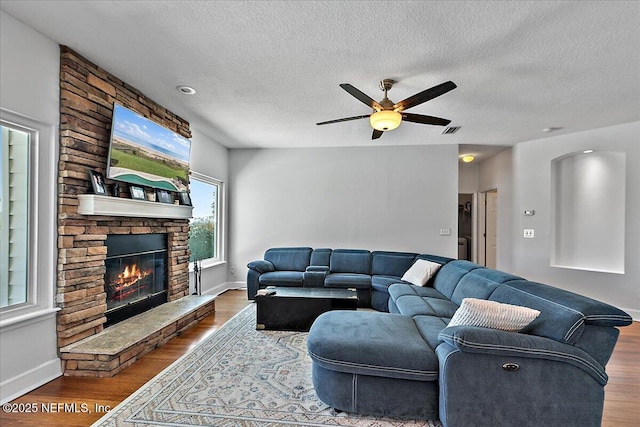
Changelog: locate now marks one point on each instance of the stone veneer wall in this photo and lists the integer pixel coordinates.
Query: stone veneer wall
(87, 95)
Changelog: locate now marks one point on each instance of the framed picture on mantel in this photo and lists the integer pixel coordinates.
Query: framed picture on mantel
(97, 183)
(185, 199)
(137, 192)
(164, 196)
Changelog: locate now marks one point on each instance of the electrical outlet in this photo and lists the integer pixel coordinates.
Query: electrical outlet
(445, 232)
(232, 270)
(528, 233)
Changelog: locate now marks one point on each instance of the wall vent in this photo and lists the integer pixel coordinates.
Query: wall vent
(450, 129)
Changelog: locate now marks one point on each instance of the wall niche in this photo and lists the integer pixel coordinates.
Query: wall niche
(588, 211)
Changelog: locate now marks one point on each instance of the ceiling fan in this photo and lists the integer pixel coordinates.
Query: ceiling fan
(387, 115)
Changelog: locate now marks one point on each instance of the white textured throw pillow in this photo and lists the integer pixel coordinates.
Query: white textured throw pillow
(492, 314)
(420, 272)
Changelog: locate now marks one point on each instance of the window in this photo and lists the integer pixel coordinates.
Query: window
(204, 231)
(14, 215)
(28, 159)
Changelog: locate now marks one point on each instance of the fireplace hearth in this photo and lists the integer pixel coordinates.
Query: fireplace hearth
(136, 274)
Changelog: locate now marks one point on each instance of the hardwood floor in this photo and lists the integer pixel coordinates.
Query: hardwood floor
(92, 396)
(108, 392)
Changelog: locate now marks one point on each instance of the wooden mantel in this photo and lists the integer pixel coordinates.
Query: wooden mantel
(91, 204)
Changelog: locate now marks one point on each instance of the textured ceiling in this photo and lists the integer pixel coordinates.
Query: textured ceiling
(265, 72)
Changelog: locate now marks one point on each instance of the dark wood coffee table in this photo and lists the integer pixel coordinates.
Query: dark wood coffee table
(295, 309)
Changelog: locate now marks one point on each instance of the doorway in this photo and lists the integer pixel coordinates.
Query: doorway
(466, 229)
(488, 222)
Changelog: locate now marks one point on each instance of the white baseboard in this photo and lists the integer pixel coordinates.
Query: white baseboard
(226, 286)
(237, 285)
(24, 383)
(635, 314)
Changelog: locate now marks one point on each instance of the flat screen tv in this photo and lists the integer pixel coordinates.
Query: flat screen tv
(144, 153)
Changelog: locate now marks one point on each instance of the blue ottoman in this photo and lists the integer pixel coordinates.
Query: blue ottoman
(373, 363)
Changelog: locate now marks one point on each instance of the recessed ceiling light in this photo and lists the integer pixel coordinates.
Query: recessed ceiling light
(551, 129)
(587, 151)
(468, 158)
(187, 90)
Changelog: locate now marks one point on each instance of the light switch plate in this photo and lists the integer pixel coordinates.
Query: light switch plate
(445, 232)
(528, 233)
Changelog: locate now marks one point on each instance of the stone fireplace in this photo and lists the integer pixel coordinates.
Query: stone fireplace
(85, 290)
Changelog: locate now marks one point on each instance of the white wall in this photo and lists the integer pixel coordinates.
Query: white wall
(212, 159)
(29, 86)
(496, 173)
(376, 198)
(532, 190)
(468, 177)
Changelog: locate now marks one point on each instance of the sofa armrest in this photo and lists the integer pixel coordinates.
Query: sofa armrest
(472, 339)
(261, 266)
(515, 375)
(314, 275)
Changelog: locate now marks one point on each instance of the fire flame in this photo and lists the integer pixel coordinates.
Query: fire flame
(134, 272)
(127, 281)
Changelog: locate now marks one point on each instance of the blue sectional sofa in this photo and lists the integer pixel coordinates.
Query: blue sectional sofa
(404, 360)
(409, 363)
(371, 273)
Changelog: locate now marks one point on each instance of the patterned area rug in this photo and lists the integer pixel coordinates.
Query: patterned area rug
(238, 377)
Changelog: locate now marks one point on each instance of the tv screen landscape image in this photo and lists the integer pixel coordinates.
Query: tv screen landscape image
(144, 153)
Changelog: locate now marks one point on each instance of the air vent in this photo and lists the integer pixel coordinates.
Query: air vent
(450, 129)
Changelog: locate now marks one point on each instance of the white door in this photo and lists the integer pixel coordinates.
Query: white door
(491, 228)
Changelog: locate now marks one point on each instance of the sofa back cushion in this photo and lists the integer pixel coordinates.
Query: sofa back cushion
(450, 274)
(563, 314)
(480, 283)
(556, 321)
(289, 259)
(435, 258)
(321, 257)
(595, 312)
(350, 261)
(391, 263)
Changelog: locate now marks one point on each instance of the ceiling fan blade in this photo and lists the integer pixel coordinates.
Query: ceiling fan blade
(362, 97)
(425, 120)
(346, 119)
(424, 96)
(376, 134)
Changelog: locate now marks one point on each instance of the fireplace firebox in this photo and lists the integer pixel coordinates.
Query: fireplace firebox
(136, 274)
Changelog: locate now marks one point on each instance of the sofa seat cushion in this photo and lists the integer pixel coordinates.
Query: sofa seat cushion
(429, 327)
(371, 343)
(400, 289)
(382, 283)
(348, 280)
(281, 278)
(425, 306)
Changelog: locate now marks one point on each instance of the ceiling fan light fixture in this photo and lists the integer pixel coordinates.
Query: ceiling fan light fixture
(385, 120)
